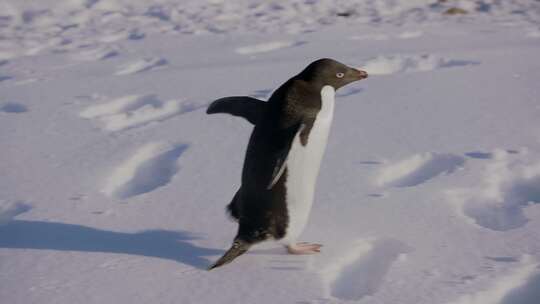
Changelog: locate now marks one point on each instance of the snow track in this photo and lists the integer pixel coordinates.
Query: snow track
(133, 111)
(516, 287)
(511, 183)
(152, 166)
(361, 271)
(418, 169)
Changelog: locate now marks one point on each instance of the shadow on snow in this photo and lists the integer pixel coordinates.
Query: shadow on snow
(164, 244)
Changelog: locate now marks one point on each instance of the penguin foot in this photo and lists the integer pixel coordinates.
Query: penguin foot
(304, 248)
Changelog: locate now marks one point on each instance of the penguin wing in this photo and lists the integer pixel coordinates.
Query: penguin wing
(283, 153)
(247, 107)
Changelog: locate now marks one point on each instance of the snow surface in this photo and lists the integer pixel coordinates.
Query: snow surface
(114, 180)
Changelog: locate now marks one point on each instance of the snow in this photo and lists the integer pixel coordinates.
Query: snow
(142, 65)
(266, 47)
(132, 111)
(502, 286)
(10, 209)
(151, 167)
(391, 64)
(362, 271)
(114, 180)
(508, 186)
(418, 169)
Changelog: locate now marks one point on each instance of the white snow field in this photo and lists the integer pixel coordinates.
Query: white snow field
(114, 181)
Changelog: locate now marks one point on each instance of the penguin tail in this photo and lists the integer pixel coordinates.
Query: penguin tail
(238, 248)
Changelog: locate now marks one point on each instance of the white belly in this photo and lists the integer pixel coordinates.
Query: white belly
(303, 163)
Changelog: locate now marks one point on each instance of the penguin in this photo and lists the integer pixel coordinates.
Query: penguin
(283, 156)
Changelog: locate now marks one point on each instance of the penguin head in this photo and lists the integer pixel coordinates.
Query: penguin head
(327, 71)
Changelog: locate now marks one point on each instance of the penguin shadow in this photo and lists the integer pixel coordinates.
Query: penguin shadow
(163, 244)
(3, 78)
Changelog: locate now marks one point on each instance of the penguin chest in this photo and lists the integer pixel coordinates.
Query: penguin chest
(303, 163)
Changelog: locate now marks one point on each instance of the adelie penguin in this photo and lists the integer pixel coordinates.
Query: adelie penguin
(283, 156)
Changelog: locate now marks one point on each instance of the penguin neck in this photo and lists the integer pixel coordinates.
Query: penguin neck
(328, 94)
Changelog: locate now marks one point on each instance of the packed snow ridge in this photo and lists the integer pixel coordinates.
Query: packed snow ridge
(133, 111)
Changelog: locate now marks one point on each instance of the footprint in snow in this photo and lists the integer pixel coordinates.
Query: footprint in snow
(377, 195)
(518, 286)
(13, 107)
(362, 269)
(267, 47)
(370, 162)
(511, 182)
(479, 155)
(10, 209)
(129, 34)
(136, 34)
(152, 166)
(502, 259)
(142, 65)
(134, 111)
(418, 169)
(96, 54)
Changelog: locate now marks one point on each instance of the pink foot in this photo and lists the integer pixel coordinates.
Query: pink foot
(304, 248)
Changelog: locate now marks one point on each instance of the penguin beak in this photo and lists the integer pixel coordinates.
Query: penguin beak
(359, 74)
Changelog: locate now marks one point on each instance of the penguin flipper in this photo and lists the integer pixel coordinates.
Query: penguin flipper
(281, 159)
(247, 107)
(232, 207)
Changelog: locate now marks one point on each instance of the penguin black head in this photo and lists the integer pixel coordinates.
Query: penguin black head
(331, 72)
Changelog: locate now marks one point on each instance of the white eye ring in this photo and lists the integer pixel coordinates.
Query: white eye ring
(340, 75)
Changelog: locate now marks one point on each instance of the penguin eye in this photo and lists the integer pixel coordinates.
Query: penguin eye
(340, 75)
